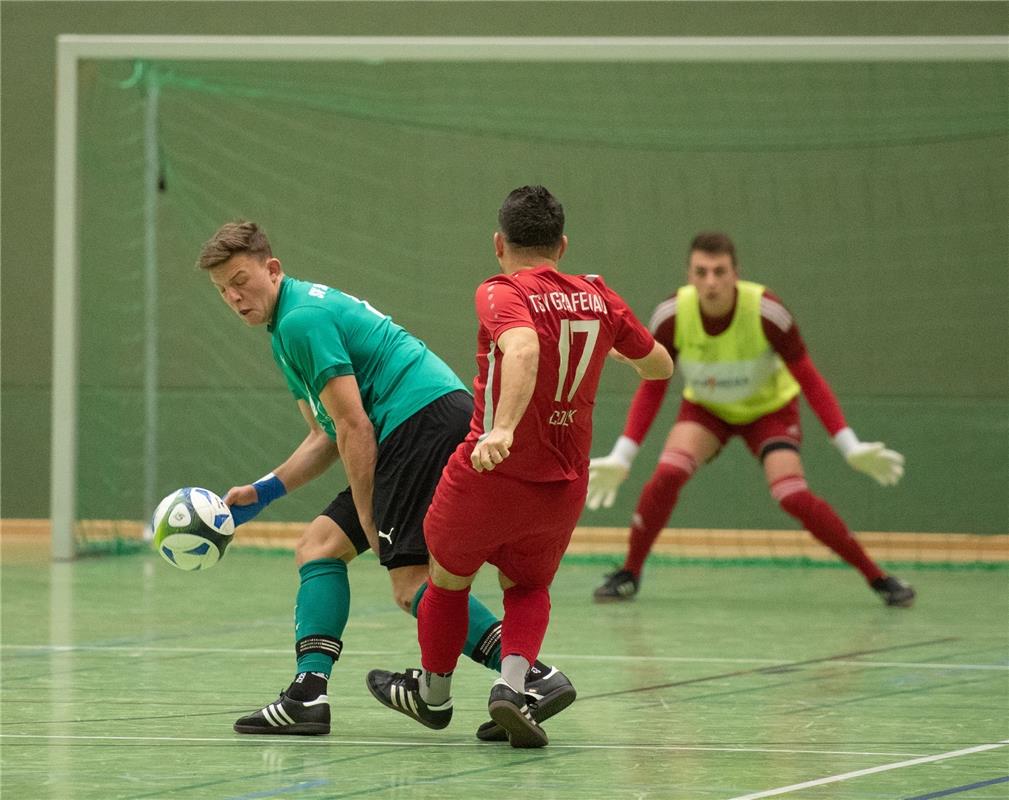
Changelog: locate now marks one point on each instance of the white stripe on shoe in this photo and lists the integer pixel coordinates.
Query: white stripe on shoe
(269, 717)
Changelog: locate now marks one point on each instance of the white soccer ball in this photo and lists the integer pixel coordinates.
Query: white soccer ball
(192, 528)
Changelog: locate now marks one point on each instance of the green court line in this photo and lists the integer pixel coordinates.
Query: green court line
(803, 562)
(914, 690)
(958, 789)
(122, 547)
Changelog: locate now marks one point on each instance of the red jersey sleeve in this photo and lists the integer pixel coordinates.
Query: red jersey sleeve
(819, 395)
(632, 339)
(500, 306)
(644, 409)
(782, 332)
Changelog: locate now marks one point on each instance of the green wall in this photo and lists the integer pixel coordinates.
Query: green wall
(893, 256)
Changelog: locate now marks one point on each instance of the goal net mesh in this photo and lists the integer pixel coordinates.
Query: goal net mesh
(872, 197)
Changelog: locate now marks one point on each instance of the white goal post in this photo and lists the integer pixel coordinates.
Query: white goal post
(72, 49)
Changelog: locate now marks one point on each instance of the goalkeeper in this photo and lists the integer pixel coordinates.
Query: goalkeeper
(374, 396)
(744, 364)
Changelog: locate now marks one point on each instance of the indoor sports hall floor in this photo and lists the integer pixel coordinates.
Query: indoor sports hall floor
(121, 678)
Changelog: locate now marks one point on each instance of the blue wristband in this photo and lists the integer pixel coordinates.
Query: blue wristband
(268, 488)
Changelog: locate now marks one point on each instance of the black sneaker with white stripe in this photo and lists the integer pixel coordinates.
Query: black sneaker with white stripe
(509, 709)
(547, 693)
(298, 717)
(400, 691)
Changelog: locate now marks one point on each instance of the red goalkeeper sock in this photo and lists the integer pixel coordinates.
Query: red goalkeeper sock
(526, 614)
(442, 620)
(655, 505)
(822, 521)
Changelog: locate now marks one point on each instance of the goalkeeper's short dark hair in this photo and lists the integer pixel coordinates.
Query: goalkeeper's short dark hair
(713, 242)
(231, 239)
(532, 218)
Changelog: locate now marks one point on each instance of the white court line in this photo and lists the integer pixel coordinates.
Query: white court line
(553, 656)
(393, 742)
(73, 648)
(871, 770)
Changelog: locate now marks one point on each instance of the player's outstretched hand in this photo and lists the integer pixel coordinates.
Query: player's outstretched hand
(606, 473)
(247, 501)
(242, 500)
(872, 458)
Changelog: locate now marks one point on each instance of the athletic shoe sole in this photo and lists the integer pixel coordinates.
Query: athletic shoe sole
(521, 732)
(298, 729)
(553, 703)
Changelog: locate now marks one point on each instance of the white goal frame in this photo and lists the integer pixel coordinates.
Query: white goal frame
(72, 49)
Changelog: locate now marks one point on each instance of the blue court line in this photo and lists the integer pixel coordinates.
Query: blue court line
(957, 789)
(294, 787)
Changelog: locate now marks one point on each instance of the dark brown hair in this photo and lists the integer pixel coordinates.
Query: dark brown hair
(713, 242)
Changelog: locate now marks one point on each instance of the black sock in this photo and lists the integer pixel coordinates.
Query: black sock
(307, 686)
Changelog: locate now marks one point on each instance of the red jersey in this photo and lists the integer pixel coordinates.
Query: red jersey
(578, 319)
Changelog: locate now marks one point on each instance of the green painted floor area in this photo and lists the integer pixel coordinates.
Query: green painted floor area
(121, 678)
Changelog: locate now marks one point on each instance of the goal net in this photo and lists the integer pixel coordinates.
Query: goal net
(867, 188)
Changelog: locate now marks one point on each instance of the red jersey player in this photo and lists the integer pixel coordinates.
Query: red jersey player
(512, 492)
(744, 365)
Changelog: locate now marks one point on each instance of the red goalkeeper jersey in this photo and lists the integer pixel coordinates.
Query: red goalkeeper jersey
(577, 319)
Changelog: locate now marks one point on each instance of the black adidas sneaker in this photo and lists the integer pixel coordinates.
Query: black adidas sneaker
(299, 717)
(547, 693)
(400, 691)
(509, 709)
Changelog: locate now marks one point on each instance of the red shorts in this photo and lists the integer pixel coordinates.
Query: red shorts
(781, 426)
(521, 527)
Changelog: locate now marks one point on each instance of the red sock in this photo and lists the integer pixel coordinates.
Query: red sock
(822, 521)
(526, 614)
(442, 619)
(656, 503)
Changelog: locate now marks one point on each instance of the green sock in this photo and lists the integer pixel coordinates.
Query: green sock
(320, 614)
(483, 638)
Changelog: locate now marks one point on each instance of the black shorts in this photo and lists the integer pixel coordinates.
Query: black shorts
(410, 462)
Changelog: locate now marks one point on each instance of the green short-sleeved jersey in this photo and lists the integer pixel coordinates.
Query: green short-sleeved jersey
(320, 333)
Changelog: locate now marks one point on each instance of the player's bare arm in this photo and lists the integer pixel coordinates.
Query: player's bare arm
(519, 364)
(656, 366)
(355, 439)
(316, 453)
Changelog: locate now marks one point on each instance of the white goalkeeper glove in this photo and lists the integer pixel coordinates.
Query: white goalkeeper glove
(606, 473)
(872, 458)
